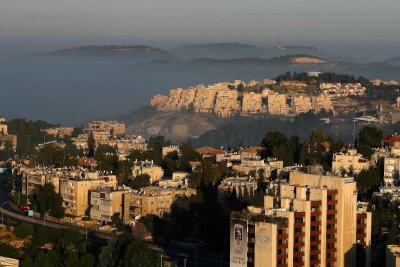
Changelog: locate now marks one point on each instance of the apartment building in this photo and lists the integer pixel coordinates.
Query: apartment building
(169, 149)
(117, 129)
(340, 90)
(60, 132)
(322, 102)
(106, 201)
(147, 167)
(127, 144)
(179, 179)
(75, 190)
(4, 136)
(312, 220)
(251, 152)
(252, 103)
(349, 160)
(35, 179)
(391, 170)
(276, 104)
(3, 126)
(153, 200)
(392, 256)
(248, 165)
(301, 104)
(226, 103)
(237, 184)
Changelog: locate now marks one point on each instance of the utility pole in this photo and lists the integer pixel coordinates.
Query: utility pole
(184, 262)
(161, 256)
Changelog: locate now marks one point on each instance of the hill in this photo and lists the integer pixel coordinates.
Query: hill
(140, 52)
(238, 50)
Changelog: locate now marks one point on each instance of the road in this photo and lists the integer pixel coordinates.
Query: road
(194, 257)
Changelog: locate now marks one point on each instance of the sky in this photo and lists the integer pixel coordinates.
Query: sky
(45, 24)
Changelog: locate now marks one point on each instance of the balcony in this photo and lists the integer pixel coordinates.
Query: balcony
(315, 252)
(361, 215)
(315, 223)
(316, 261)
(331, 260)
(331, 221)
(299, 214)
(315, 203)
(315, 232)
(331, 240)
(330, 250)
(361, 235)
(332, 202)
(282, 246)
(332, 192)
(282, 236)
(316, 213)
(298, 254)
(330, 212)
(361, 226)
(281, 265)
(299, 224)
(315, 242)
(331, 231)
(298, 234)
(282, 256)
(298, 244)
(298, 263)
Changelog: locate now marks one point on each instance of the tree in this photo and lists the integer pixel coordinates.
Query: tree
(370, 136)
(124, 170)
(41, 236)
(367, 180)
(47, 200)
(157, 143)
(139, 181)
(8, 251)
(138, 254)
(117, 221)
(23, 230)
(91, 145)
(153, 223)
(6, 150)
(87, 260)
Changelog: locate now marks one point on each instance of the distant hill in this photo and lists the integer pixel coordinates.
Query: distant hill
(394, 61)
(238, 50)
(139, 52)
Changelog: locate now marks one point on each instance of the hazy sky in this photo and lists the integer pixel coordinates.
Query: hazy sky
(173, 22)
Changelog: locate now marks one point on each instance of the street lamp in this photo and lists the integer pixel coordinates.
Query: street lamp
(2, 213)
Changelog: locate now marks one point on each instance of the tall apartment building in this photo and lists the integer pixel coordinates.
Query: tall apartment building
(204, 100)
(301, 104)
(276, 104)
(312, 220)
(252, 103)
(322, 102)
(75, 191)
(349, 160)
(226, 103)
(107, 201)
